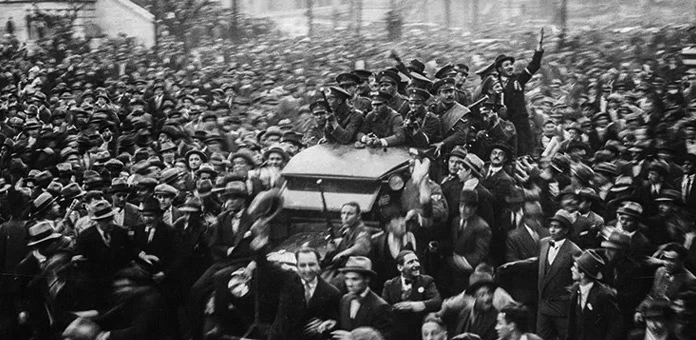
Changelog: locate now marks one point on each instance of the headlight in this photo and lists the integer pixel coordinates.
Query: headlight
(396, 182)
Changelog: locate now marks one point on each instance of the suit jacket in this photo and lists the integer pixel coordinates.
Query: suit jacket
(554, 279)
(131, 216)
(483, 325)
(520, 245)
(691, 197)
(165, 244)
(223, 237)
(373, 312)
(647, 198)
(324, 302)
(452, 189)
(473, 242)
(600, 319)
(103, 260)
(13, 248)
(407, 324)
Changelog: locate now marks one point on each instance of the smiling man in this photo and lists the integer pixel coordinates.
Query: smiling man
(454, 117)
(411, 294)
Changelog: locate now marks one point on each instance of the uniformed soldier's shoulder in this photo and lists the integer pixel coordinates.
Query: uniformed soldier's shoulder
(509, 126)
(357, 111)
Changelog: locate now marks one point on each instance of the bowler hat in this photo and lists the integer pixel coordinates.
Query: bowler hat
(474, 163)
(347, 79)
(150, 204)
(591, 263)
(358, 264)
(502, 146)
(42, 232)
(203, 157)
(102, 210)
(246, 155)
(617, 240)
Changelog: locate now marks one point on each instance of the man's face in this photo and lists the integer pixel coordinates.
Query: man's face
(240, 164)
(483, 299)
(498, 157)
(320, 116)
(557, 231)
(356, 283)
(446, 95)
(433, 331)
(275, 160)
(195, 161)
(165, 200)
(688, 167)
(411, 267)
(234, 203)
(665, 208)
(507, 68)
(489, 115)
(672, 261)
(575, 272)
(388, 87)
(549, 129)
(350, 88)
(380, 108)
(454, 163)
(308, 266)
(415, 103)
(504, 328)
(466, 211)
(628, 223)
(349, 215)
(148, 217)
(119, 199)
(334, 101)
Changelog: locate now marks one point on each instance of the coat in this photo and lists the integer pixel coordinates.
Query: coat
(600, 319)
(102, 260)
(373, 312)
(13, 248)
(456, 124)
(324, 302)
(483, 325)
(383, 127)
(452, 189)
(349, 122)
(554, 279)
(165, 244)
(473, 243)
(222, 236)
(514, 99)
(407, 324)
(520, 245)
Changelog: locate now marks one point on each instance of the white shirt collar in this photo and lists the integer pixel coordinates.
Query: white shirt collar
(312, 284)
(559, 243)
(585, 288)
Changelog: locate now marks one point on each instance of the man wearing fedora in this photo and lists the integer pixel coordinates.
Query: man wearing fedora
(194, 233)
(127, 214)
(360, 307)
(628, 217)
(165, 195)
(465, 171)
(658, 317)
(412, 295)
(105, 247)
(593, 312)
(513, 91)
(626, 277)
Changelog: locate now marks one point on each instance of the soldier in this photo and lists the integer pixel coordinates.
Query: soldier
(454, 118)
(459, 72)
(421, 127)
(389, 83)
(382, 124)
(349, 82)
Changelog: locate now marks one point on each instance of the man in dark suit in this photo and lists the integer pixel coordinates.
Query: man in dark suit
(360, 307)
(501, 185)
(650, 190)
(687, 183)
(126, 214)
(554, 263)
(478, 318)
(468, 244)
(322, 298)
(593, 312)
(628, 216)
(106, 247)
(513, 90)
(412, 296)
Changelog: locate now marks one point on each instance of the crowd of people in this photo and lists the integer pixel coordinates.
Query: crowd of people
(550, 198)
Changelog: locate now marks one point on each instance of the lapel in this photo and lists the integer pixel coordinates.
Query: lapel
(543, 260)
(557, 264)
(591, 300)
(530, 246)
(364, 310)
(318, 295)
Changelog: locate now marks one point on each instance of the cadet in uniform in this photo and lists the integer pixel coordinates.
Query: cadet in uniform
(349, 82)
(454, 118)
(382, 124)
(389, 83)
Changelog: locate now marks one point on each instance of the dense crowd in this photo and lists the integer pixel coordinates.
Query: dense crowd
(549, 197)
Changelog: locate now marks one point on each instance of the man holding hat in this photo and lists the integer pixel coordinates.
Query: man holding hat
(360, 307)
(454, 118)
(382, 124)
(513, 90)
(593, 312)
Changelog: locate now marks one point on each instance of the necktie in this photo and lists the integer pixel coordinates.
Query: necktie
(552, 244)
(107, 239)
(687, 187)
(354, 305)
(167, 217)
(307, 292)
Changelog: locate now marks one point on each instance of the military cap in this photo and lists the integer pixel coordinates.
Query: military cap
(418, 93)
(445, 71)
(347, 79)
(319, 104)
(421, 81)
(446, 82)
(339, 92)
(388, 76)
(381, 97)
(364, 75)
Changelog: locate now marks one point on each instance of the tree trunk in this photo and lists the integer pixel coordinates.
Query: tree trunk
(358, 20)
(564, 20)
(448, 7)
(310, 18)
(474, 15)
(234, 26)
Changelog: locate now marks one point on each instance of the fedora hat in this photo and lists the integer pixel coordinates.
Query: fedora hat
(204, 187)
(150, 205)
(591, 263)
(358, 264)
(102, 210)
(246, 155)
(471, 290)
(41, 232)
(670, 195)
(458, 151)
(475, 164)
(501, 58)
(119, 184)
(564, 217)
(206, 167)
(170, 175)
(617, 240)
(202, 155)
(71, 192)
(278, 150)
(232, 188)
(41, 203)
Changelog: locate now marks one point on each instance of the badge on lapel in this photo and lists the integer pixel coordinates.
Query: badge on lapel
(589, 306)
(421, 289)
